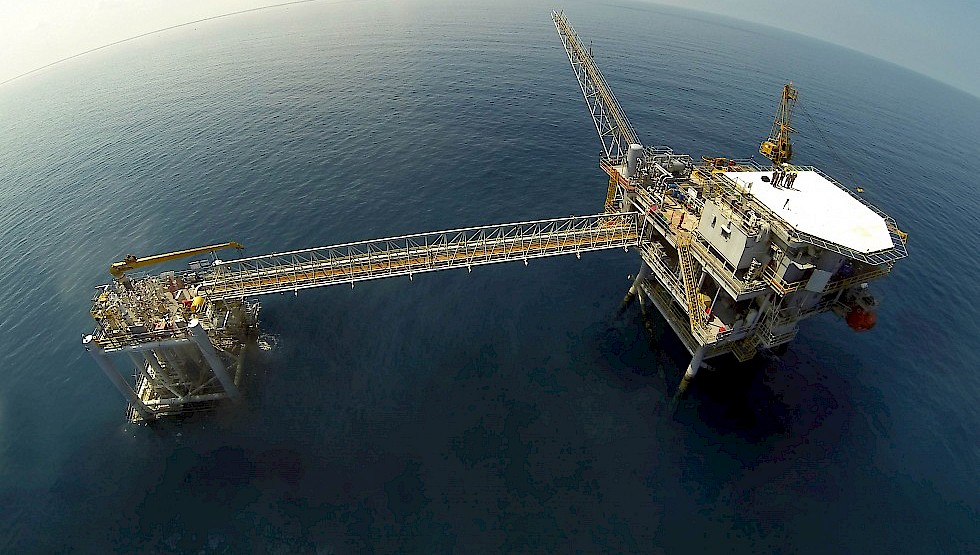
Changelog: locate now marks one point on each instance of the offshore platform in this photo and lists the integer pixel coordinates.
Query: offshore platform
(734, 255)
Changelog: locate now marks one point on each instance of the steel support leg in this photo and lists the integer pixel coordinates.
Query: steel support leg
(692, 370)
(116, 378)
(200, 337)
(641, 275)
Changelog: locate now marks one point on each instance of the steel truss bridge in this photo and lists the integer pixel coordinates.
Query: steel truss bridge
(419, 253)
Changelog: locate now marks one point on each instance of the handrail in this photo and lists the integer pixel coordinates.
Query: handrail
(895, 252)
(738, 285)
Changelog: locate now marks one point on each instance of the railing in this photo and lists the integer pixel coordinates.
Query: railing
(781, 286)
(672, 312)
(738, 286)
(745, 349)
(425, 252)
(784, 288)
(899, 238)
(117, 339)
(785, 316)
(762, 211)
(671, 284)
(731, 333)
(656, 259)
(884, 256)
(774, 340)
(610, 205)
(644, 200)
(872, 273)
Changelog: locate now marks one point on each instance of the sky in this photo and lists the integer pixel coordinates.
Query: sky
(938, 38)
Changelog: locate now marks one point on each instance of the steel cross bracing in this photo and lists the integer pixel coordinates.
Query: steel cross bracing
(614, 129)
(424, 252)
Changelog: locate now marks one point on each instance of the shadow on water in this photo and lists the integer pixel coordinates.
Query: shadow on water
(640, 350)
(735, 397)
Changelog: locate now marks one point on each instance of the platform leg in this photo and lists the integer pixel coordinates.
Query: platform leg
(635, 288)
(651, 332)
(116, 378)
(200, 337)
(692, 370)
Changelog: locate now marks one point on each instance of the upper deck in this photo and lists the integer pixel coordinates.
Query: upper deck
(816, 206)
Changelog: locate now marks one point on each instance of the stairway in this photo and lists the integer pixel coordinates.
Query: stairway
(694, 308)
(611, 193)
(745, 348)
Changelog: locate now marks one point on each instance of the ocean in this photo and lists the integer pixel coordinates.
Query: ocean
(510, 409)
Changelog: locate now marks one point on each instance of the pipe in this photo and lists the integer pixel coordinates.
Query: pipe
(188, 399)
(149, 345)
(711, 308)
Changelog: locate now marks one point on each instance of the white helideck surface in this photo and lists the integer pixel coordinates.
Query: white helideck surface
(820, 208)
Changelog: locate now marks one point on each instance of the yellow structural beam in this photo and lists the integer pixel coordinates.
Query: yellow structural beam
(131, 262)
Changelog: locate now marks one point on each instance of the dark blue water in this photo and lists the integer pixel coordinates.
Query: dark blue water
(506, 410)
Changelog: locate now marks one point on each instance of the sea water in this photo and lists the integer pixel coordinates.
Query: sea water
(505, 410)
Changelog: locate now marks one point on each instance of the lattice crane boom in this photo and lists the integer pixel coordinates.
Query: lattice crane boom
(614, 128)
(778, 146)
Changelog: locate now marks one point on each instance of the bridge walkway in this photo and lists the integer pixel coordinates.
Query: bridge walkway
(414, 254)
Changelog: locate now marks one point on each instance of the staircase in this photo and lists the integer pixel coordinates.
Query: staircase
(611, 193)
(745, 349)
(694, 308)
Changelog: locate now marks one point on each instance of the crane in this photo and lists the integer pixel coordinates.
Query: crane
(778, 147)
(614, 128)
(618, 138)
(132, 262)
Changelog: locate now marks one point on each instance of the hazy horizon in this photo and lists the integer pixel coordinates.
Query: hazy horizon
(935, 40)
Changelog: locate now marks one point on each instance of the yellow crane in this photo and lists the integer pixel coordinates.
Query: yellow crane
(131, 262)
(778, 147)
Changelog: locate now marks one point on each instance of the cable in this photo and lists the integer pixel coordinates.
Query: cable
(830, 145)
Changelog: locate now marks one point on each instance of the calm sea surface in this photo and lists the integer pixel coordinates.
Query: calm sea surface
(506, 410)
